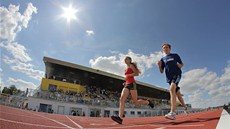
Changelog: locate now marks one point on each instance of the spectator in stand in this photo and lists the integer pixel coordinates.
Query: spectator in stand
(73, 113)
(83, 114)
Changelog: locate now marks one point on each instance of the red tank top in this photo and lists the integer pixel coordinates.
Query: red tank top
(129, 80)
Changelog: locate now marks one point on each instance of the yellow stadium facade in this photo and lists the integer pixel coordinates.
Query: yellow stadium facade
(48, 84)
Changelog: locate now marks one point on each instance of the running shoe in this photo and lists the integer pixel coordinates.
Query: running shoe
(171, 116)
(117, 119)
(151, 104)
(186, 110)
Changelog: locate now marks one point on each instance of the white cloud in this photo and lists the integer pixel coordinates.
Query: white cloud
(7, 60)
(9, 22)
(90, 32)
(28, 70)
(110, 64)
(28, 14)
(196, 97)
(21, 84)
(12, 22)
(25, 68)
(225, 78)
(115, 63)
(204, 88)
(18, 51)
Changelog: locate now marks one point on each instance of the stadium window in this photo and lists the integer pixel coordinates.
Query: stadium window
(139, 113)
(132, 113)
(116, 112)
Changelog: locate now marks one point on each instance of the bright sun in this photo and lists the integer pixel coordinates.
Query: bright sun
(69, 13)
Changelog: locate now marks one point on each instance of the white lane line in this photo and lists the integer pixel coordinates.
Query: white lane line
(17, 122)
(33, 113)
(104, 124)
(55, 121)
(224, 120)
(11, 114)
(75, 123)
(160, 126)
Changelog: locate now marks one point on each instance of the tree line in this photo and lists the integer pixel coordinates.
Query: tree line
(12, 90)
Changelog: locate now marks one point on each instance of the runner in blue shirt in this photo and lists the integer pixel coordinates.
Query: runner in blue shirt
(172, 65)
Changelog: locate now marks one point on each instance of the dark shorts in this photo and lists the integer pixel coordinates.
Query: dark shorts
(131, 86)
(176, 80)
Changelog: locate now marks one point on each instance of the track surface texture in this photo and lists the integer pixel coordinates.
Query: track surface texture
(12, 118)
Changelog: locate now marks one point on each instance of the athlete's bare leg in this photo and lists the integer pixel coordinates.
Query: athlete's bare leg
(124, 95)
(134, 98)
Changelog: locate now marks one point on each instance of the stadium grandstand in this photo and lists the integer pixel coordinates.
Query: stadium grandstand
(69, 88)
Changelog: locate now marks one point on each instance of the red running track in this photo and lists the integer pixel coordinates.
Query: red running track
(12, 118)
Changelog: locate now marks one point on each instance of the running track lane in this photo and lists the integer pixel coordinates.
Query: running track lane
(12, 118)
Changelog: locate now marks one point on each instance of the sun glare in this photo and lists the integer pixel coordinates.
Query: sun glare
(69, 13)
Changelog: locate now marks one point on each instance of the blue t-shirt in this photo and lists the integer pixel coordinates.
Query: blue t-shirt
(169, 63)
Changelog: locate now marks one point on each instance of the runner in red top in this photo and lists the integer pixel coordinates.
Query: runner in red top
(130, 87)
(129, 79)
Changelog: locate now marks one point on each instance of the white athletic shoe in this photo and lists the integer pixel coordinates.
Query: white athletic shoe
(171, 116)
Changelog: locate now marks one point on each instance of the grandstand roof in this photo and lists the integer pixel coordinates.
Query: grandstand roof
(51, 62)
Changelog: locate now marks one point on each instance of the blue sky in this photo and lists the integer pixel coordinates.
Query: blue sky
(105, 31)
